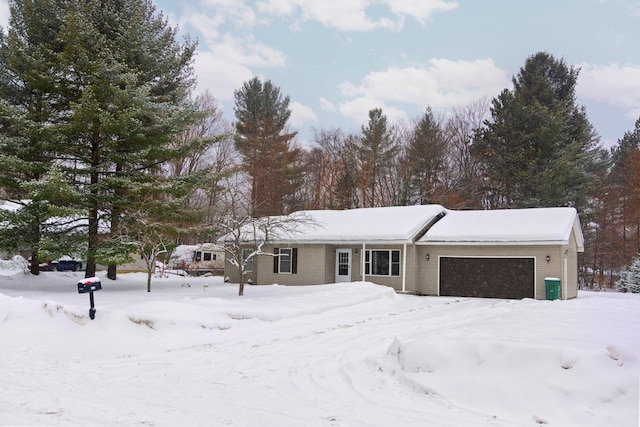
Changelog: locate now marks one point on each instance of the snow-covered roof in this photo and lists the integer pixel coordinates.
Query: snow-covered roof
(397, 224)
(507, 226)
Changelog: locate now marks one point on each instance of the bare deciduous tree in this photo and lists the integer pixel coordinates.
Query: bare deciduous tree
(241, 230)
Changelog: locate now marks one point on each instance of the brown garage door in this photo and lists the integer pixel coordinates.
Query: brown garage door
(487, 277)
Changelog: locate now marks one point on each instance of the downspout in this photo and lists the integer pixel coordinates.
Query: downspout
(404, 269)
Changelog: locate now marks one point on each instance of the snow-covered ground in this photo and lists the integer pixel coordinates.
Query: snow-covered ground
(193, 353)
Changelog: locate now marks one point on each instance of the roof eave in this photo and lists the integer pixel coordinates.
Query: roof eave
(494, 242)
(357, 242)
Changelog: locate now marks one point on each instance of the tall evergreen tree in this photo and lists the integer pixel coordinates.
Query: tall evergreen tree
(29, 106)
(377, 149)
(130, 83)
(425, 156)
(263, 141)
(118, 87)
(539, 148)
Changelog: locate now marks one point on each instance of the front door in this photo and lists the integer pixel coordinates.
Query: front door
(343, 265)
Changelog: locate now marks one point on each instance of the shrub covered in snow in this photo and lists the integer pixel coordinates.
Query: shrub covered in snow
(15, 264)
(630, 278)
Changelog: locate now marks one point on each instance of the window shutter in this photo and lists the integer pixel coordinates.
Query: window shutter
(294, 261)
(276, 261)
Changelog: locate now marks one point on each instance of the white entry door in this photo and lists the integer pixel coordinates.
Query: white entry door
(343, 265)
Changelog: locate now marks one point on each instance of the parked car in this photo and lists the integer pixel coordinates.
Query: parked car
(69, 265)
(62, 264)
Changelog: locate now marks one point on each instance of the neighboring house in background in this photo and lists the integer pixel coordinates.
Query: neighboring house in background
(199, 259)
(192, 259)
(428, 250)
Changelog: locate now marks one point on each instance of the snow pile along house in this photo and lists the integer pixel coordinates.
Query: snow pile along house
(427, 250)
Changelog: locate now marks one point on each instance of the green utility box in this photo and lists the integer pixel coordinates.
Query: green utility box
(552, 284)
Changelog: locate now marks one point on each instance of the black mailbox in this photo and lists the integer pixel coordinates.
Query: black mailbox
(89, 285)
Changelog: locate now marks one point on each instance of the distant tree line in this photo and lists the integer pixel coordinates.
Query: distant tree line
(107, 151)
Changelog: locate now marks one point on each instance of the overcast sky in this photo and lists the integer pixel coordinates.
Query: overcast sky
(337, 59)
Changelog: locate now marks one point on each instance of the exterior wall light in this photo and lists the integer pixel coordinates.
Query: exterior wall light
(428, 257)
(548, 258)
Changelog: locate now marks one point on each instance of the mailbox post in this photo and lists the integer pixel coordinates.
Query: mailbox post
(89, 285)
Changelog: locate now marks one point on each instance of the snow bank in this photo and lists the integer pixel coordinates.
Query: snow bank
(521, 381)
(15, 265)
(192, 352)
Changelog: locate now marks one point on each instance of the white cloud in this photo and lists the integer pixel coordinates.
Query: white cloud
(358, 110)
(613, 83)
(301, 115)
(227, 50)
(218, 76)
(421, 10)
(210, 18)
(343, 15)
(223, 65)
(441, 84)
(326, 105)
(352, 15)
(247, 51)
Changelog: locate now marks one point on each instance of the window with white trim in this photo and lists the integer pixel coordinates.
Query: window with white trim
(248, 262)
(285, 260)
(385, 262)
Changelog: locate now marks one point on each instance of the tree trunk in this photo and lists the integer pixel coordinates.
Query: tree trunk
(111, 271)
(115, 223)
(35, 264)
(93, 209)
(93, 243)
(241, 288)
(148, 280)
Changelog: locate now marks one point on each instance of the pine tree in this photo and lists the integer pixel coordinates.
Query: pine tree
(117, 95)
(425, 156)
(630, 278)
(130, 81)
(263, 141)
(539, 149)
(377, 149)
(29, 109)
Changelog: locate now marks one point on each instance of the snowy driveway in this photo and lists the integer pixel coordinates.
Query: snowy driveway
(337, 355)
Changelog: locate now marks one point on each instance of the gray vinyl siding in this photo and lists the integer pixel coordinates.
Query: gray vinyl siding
(310, 268)
(330, 263)
(427, 270)
(231, 272)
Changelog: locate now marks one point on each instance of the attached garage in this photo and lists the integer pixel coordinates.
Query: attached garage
(486, 277)
(500, 253)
